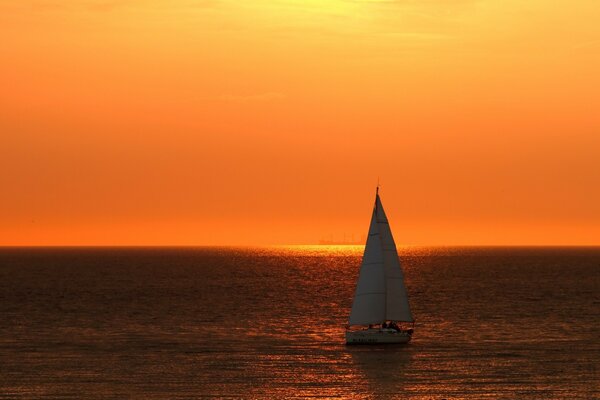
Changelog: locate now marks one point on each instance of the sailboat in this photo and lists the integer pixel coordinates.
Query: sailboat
(380, 311)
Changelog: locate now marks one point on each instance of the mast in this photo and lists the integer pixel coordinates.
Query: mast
(377, 200)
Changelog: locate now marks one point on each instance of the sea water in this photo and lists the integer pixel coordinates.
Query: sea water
(180, 323)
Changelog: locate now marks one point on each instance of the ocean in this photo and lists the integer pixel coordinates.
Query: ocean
(264, 323)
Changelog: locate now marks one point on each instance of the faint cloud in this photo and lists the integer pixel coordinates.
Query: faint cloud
(417, 2)
(47, 5)
(583, 45)
(105, 5)
(419, 35)
(111, 5)
(259, 97)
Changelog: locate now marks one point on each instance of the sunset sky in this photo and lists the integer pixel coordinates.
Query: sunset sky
(208, 122)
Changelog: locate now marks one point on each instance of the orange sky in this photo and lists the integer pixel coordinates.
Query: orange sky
(269, 121)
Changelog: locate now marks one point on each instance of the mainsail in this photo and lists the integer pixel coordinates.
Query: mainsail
(380, 293)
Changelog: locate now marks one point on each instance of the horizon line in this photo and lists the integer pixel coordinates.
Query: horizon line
(2, 246)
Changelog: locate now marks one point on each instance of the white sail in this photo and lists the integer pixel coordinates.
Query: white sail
(397, 307)
(380, 292)
(369, 299)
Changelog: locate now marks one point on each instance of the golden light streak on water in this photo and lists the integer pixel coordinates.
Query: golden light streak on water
(269, 323)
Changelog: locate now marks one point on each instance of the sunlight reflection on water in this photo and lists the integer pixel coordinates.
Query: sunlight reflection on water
(269, 323)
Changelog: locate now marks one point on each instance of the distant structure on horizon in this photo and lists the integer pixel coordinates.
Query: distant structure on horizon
(331, 240)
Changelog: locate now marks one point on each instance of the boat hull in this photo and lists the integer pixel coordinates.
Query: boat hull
(376, 336)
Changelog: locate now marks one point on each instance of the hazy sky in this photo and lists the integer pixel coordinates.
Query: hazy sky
(270, 121)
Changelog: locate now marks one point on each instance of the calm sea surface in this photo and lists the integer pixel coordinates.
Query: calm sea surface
(269, 323)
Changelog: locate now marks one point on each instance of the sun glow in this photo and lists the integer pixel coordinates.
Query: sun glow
(319, 250)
